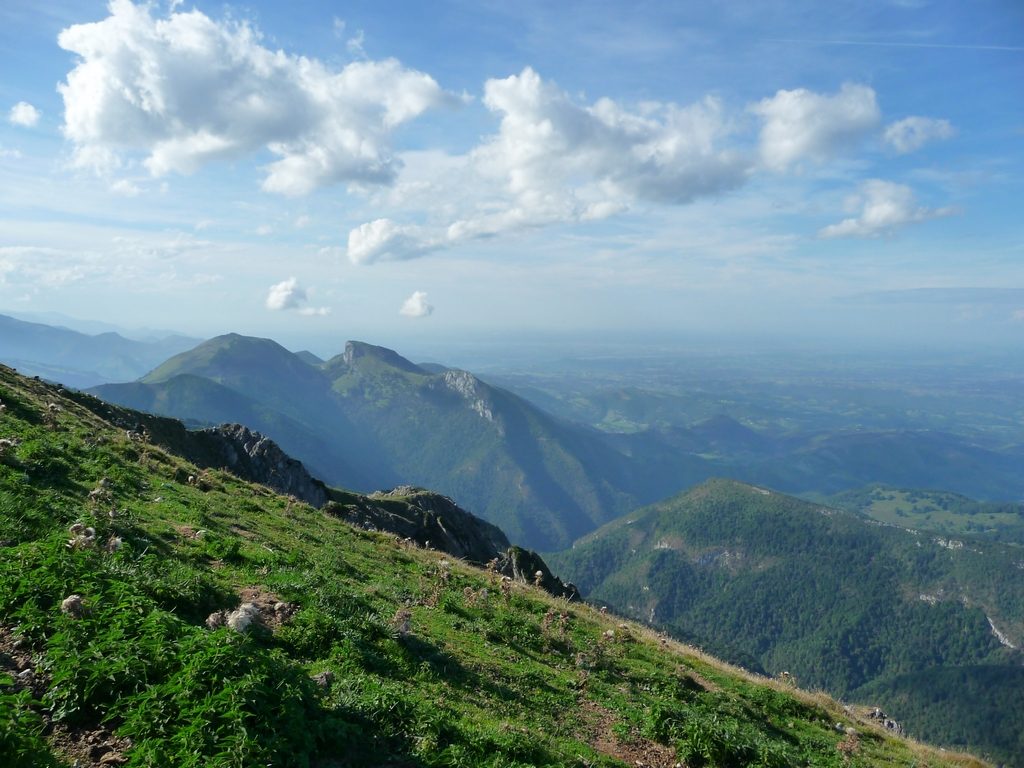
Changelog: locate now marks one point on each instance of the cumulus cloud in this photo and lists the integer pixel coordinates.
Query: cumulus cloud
(183, 90)
(882, 207)
(912, 133)
(24, 114)
(416, 305)
(289, 295)
(384, 240)
(556, 160)
(547, 142)
(802, 125)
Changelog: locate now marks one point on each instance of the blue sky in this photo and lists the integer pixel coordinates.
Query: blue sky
(411, 171)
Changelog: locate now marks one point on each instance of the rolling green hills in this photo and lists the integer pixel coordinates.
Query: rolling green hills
(151, 619)
(842, 603)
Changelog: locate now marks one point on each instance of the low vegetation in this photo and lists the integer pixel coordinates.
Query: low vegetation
(123, 589)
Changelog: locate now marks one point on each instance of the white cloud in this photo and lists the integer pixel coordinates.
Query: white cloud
(184, 90)
(264, 229)
(882, 207)
(11, 154)
(384, 240)
(24, 114)
(549, 144)
(554, 160)
(301, 222)
(416, 305)
(802, 125)
(912, 133)
(289, 295)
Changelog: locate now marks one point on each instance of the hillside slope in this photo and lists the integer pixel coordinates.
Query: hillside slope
(841, 602)
(146, 620)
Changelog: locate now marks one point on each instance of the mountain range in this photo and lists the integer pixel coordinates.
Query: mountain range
(368, 418)
(80, 359)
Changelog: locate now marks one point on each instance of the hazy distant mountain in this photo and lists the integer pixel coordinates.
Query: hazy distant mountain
(832, 461)
(369, 418)
(840, 602)
(78, 359)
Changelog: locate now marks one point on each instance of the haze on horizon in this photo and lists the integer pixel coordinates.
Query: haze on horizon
(413, 173)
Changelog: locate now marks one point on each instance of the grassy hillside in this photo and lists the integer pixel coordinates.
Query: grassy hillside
(838, 601)
(358, 651)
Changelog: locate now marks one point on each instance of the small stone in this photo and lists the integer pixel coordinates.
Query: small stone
(73, 606)
(241, 618)
(324, 679)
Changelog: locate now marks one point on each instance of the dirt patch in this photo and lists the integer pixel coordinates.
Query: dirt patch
(85, 746)
(635, 750)
(273, 611)
(89, 747)
(15, 656)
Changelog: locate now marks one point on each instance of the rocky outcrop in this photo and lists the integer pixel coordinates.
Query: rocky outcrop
(527, 566)
(436, 522)
(257, 458)
(470, 389)
(429, 519)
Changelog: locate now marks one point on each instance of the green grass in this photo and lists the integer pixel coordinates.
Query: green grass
(484, 676)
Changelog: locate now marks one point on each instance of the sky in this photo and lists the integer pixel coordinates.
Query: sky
(408, 172)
